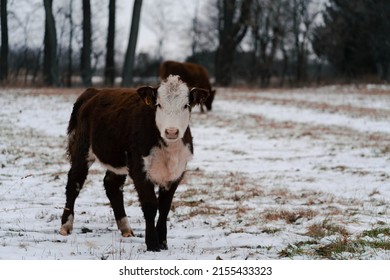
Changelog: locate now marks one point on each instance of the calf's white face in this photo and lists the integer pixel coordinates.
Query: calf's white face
(172, 101)
(172, 109)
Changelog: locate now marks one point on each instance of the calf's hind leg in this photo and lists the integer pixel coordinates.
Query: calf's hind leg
(113, 184)
(76, 178)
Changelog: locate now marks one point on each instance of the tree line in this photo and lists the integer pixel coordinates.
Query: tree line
(255, 42)
(55, 57)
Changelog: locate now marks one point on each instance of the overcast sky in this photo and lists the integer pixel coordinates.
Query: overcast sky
(178, 12)
(26, 23)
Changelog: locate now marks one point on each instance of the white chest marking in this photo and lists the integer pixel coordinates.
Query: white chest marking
(167, 163)
(117, 170)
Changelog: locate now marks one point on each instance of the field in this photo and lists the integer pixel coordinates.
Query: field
(277, 174)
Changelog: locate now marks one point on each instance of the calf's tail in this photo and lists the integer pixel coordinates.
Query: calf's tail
(72, 125)
(85, 96)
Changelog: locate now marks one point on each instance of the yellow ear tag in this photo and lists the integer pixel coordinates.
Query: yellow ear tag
(148, 100)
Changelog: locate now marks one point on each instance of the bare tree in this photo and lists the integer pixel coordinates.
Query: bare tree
(203, 32)
(302, 26)
(232, 27)
(50, 63)
(25, 62)
(285, 61)
(4, 41)
(360, 41)
(128, 67)
(85, 65)
(267, 30)
(70, 42)
(109, 72)
(378, 25)
(158, 21)
(195, 31)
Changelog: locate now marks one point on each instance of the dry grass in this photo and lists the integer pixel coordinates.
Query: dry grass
(289, 217)
(344, 246)
(326, 228)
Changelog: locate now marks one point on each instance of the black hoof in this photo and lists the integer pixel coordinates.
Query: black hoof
(164, 245)
(153, 249)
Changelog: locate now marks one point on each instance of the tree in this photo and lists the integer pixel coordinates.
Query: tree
(4, 41)
(70, 42)
(109, 71)
(128, 67)
(377, 19)
(302, 20)
(50, 63)
(232, 27)
(267, 30)
(85, 65)
(159, 21)
(354, 37)
(202, 32)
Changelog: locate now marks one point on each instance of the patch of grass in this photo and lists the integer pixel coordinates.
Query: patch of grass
(340, 168)
(354, 247)
(335, 249)
(192, 192)
(376, 232)
(205, 211)
(374, 192)
(326, 228)
(270, 230)
(298, 248)
(290, 251)
(188, 203)
(385, 150)
(290, 217)
(379, 238)
(343, 247)
(378, 244)
(23, 245)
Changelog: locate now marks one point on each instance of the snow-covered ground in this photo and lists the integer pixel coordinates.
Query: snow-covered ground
(276, 174)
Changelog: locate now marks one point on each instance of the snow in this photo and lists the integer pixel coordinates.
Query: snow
(320, 154)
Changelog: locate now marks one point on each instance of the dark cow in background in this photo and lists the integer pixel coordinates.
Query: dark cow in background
(194, 75)
(142, 132)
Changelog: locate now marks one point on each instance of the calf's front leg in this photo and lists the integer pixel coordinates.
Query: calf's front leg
(164, 205)
(149, 204)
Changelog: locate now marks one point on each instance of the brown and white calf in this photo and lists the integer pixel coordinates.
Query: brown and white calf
(195, 75)
(142, 132)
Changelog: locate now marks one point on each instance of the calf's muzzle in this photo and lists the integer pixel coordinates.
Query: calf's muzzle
(171, 133)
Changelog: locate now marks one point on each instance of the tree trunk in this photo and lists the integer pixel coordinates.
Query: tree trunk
(231, 33)
(301, 17)
(50, 63)
(109, 72)
(224, 64)
(4, 42)
(285, 63)
(85, 65)
(127, 75)
(70, 49)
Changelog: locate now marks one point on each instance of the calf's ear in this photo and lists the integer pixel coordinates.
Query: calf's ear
(148, 95)
(198, 96)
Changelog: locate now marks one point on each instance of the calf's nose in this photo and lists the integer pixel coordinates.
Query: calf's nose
(171, 133)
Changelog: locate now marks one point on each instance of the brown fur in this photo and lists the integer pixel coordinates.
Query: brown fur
(194, 75)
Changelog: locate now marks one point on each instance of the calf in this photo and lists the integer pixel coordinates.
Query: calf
(144, 133)
(194, 75)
